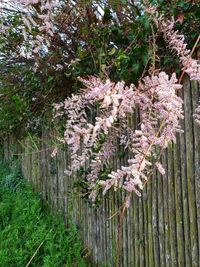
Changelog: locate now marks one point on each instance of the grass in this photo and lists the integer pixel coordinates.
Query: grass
(29, 234)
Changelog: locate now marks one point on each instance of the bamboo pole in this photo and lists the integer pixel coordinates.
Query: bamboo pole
(190, 170)
(195, 100)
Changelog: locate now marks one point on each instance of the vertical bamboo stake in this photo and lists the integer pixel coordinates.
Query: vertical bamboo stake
(141, 232)
(150, 230)
(178, 204)
(190, 171)
(160, 219)
(145, 220)
(172, 216)
(195, 98)
(188, 259)
(166, 214)
(154, 220)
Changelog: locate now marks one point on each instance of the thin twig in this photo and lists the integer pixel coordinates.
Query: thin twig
(31, 259)
(192, 51)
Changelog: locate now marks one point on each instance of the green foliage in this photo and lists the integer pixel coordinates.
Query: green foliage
(99, 143)
(116, 51)
(27, 228)
(26, 99)
(188, 10)
(121, 45)
(81, 185)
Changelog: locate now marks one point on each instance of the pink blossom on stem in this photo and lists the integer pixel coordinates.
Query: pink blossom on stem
(54, 152)
(160, 168)
(176, 42)
(160, 111)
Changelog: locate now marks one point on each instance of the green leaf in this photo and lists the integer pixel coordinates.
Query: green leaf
(136, 67)
(103, 67)
(112, 51)
(144, 59)
(107, 15)
(67, 74)
(50, 78)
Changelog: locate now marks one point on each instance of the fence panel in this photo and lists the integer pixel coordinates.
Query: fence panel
(161, 229)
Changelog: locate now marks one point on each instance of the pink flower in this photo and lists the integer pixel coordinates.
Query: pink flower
(160, 168)
(54, 152)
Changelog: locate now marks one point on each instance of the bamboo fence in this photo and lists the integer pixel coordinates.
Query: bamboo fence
(162, 228)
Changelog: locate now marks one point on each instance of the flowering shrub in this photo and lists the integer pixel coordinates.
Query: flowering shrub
(46, 45)
(176, 42)
(53, 42)
(156, 98)
(160, 111)
(36, 16)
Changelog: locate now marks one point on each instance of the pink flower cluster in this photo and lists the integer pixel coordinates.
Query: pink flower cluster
(160, 111)
(157, 102)
(197, 115)
(176, 42)
(34, 18)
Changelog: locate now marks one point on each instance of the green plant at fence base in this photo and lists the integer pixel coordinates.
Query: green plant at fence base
(29, 234)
